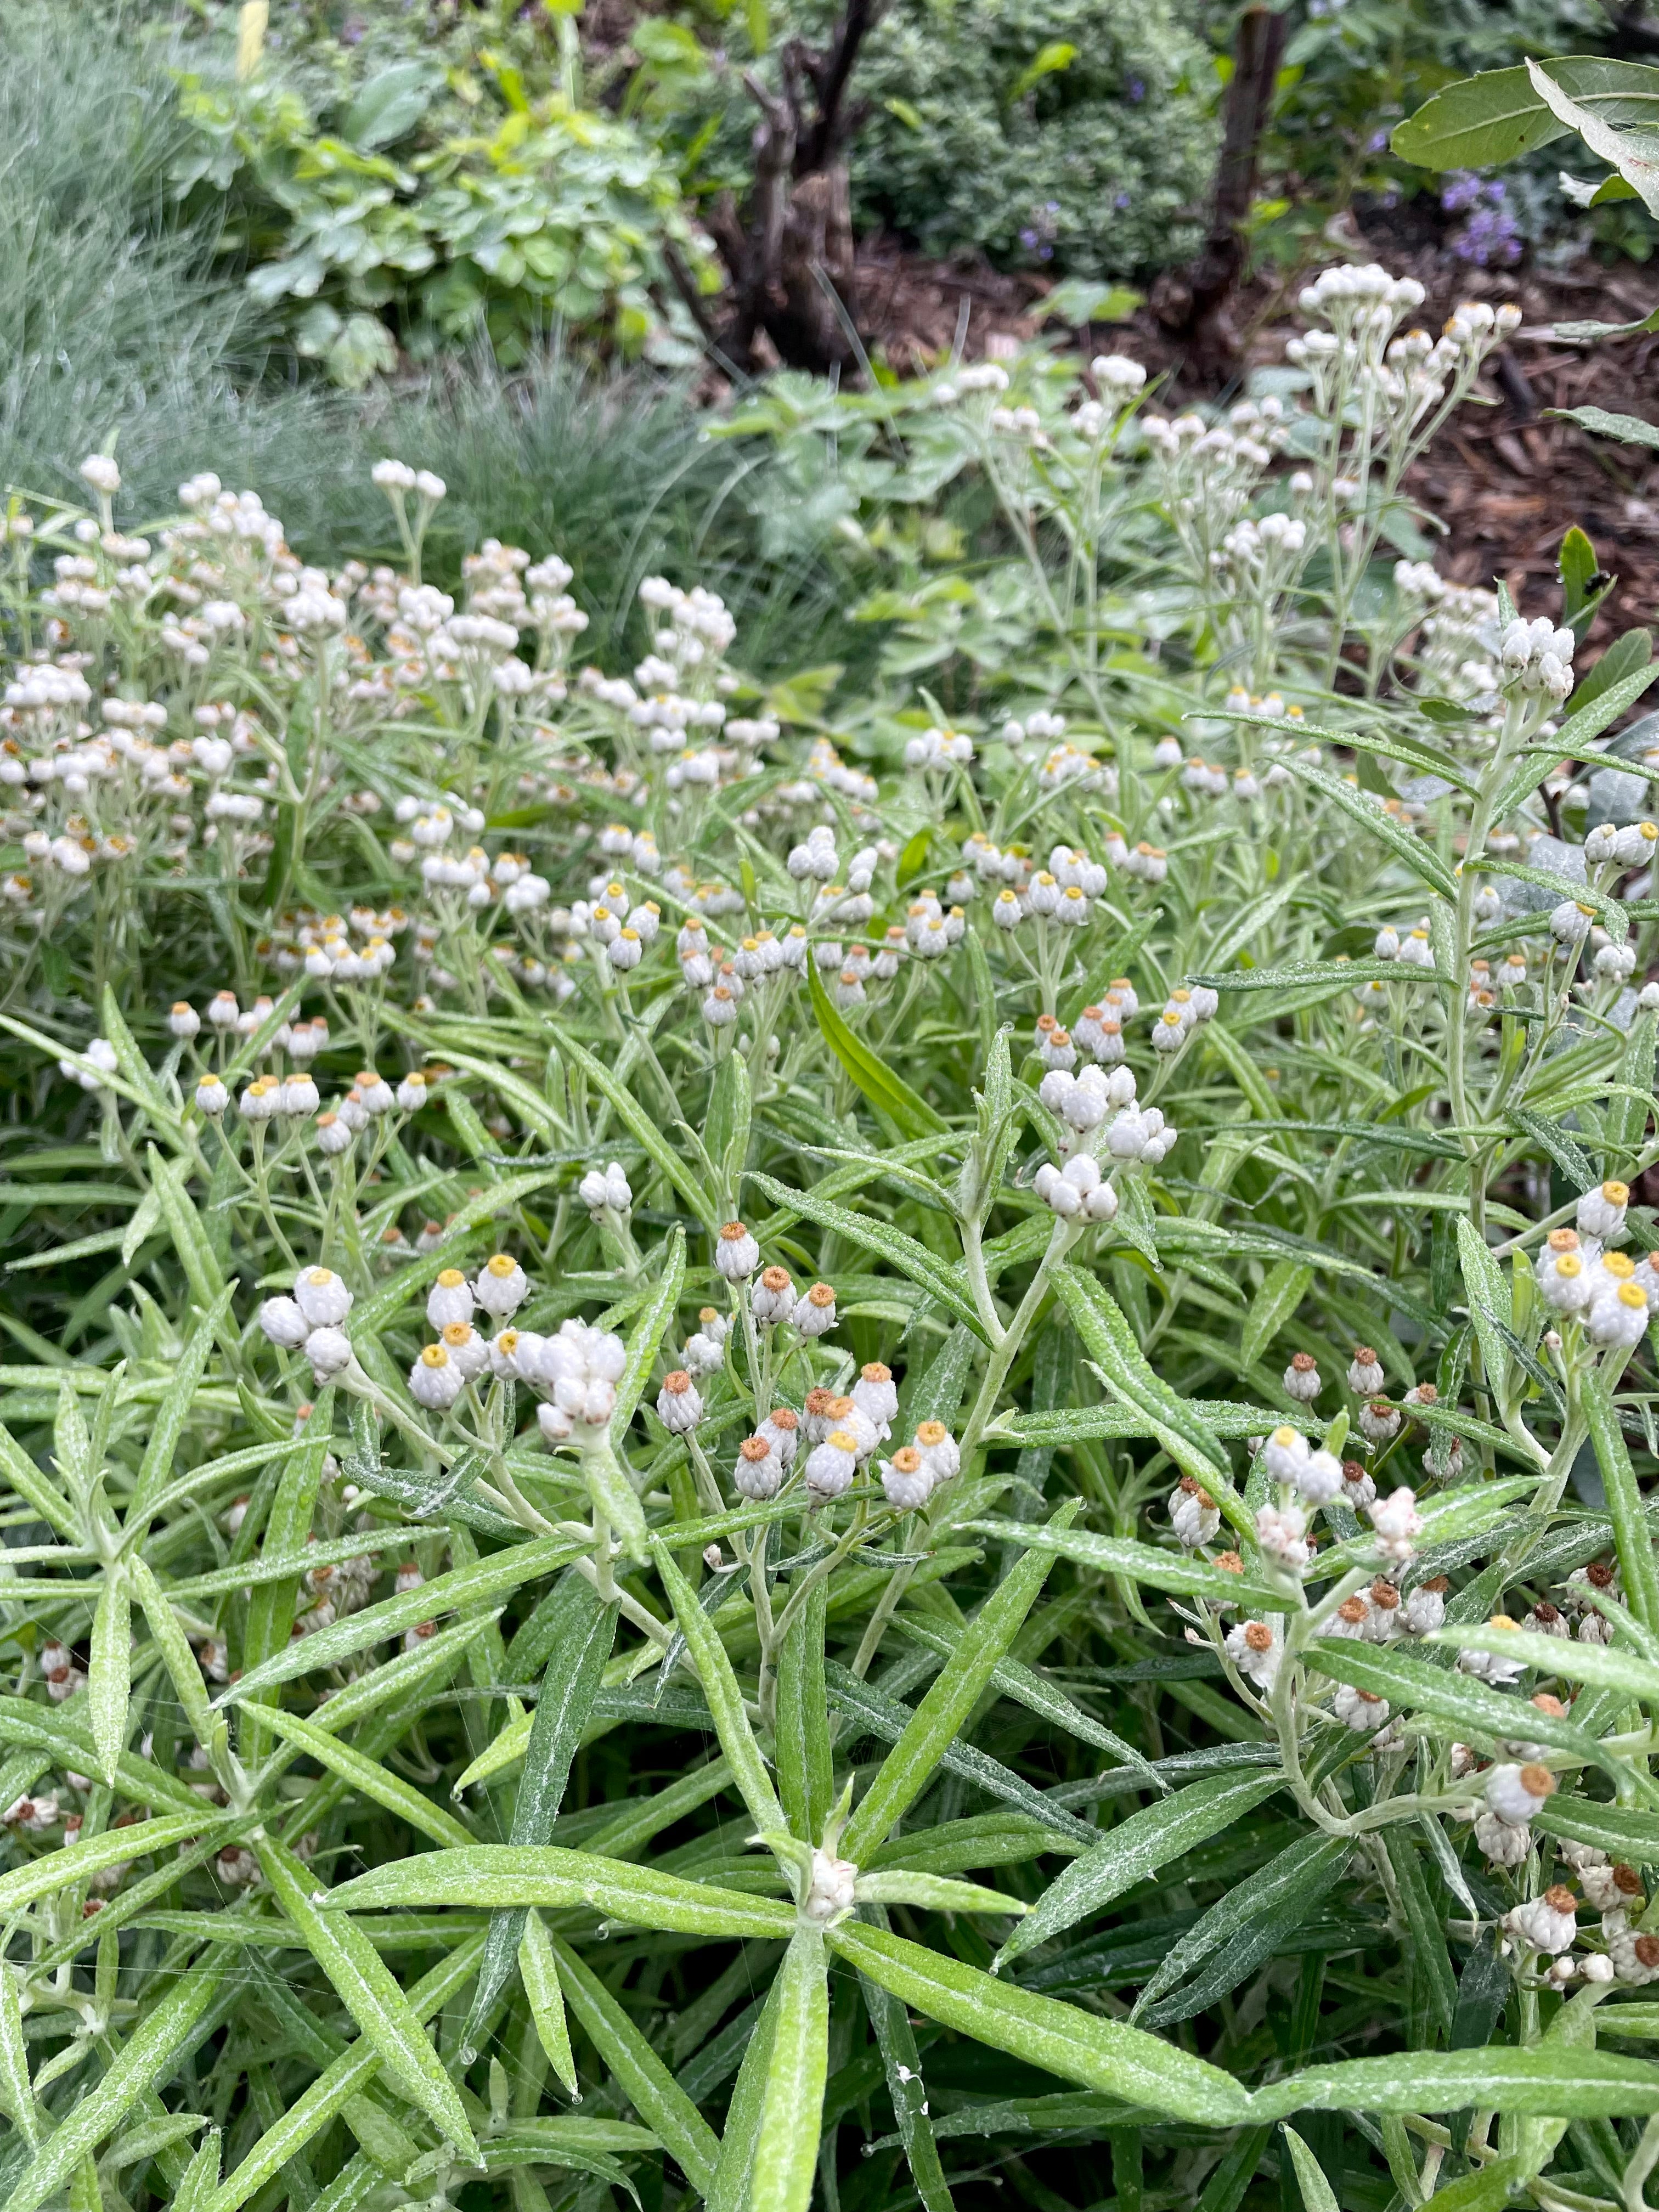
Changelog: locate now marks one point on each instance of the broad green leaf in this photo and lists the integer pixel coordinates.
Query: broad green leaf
(539, 1970)
(373, 1780)
(1482, 122)
(791, 2105)
(145, 2059)
(1636, 158)
(804, 1760)
(1182, 1573)
(951, 1698)
(109, 1674)
(477, 1585)
(892, 1096)
(1135, 1849)
(1630, 429)
(937, 1277)
(1548, 2081)
(719, 1687)
(501, 1875)
(1059, 2038)
(369, 1993)
(639, 2073)
(584, 1632)
(1274, 1306)
(1630, 1532)
(1317, 2195)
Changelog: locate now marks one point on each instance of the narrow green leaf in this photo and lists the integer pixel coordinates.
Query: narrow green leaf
(269, 1619)
(539, 1970)
(498, 1875)
(645, 1339)
(1361, 808)
(109, 1674)
(791, 2107)
(1272, 1890)
(805, 1763)
(1154, 1836)
(1631, 1533)
(1607, 1666)
(937, 1277)
(584, 1631)
(1545, 2080)
(1183, 1573)
(932, 1893)
(1317, 2195)
(369, 1993)
(719, 1687)
(1462, 1703)
(938, 1720)
(477, 1584)
(1489, 1304)
(372, 1779)
(1079, 2046)
(1274, 1306)
(730, 2189)
(892, 1096)
(145, 2059)
(639, 2074)
(645, 1132)
(897, 2043)
(1624, 1832)
(15, 2088)
(201, 2178)
(75, 1863)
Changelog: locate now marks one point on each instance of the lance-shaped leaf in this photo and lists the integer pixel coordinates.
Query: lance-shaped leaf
(369, 1992)
(939, 1719)
(1236, 1944)
(933, 1893)
(147, 2057)
(1546, 2080)
(1317, 2195)
(539, 1970)
(584, 1631)
(1111, 1345)
(892, 1096)
(897, 2043)
(109, 1673)
(792, 2106)
(1155, 1836)
(73, 1862)
(176, 1654)
(498, 1875)
(270, 1611)
(1605, 1665)
(1180, 1572)
(155, 1469)
(16, 2090)
(644, 1131)
(1413, 1685)
(730, 2189)
(1624, 1832)
(336, 2088)
(719, 1687)
(1079, 2046)
(805, 1764)
(655, 1319)
(1268, 1891)
(1631, 1533)
(641, 2075)
(477, 1585)
(372, 1779)
(942, 1282)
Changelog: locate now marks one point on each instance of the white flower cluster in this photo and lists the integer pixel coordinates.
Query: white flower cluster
(313, 1321)
(1537, 656)
(1612, 1296)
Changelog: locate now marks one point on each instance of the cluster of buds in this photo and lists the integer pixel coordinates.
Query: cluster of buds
(313, 1321)
(1188, 1008)
(1537, 656)
(1580, 1276)
(1515, 1795)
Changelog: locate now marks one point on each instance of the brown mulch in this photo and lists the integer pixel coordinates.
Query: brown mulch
(1505, 479)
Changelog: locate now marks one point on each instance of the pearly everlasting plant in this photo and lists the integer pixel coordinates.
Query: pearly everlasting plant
(761, 1453)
